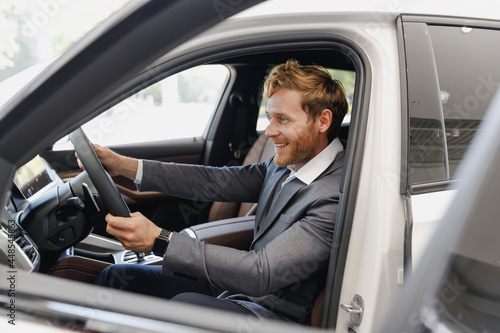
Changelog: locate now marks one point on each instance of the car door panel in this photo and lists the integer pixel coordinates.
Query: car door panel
(428, 209)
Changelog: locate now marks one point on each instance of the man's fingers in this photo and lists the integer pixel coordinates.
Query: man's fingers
(80, 165)
(116, 227)
(116, 221)
(123, 225)
(135, 233)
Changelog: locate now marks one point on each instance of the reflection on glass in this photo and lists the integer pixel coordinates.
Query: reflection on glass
(31, 177)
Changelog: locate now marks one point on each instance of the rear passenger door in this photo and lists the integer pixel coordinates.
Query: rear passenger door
(452, 73)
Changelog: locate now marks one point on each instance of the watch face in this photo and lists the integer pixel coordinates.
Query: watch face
(161, 243)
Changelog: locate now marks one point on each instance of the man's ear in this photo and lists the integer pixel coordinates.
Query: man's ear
(325, 120)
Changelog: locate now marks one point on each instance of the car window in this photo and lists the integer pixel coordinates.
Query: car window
(179, 106)
(469, 75)
(347, 78)
(444, 121)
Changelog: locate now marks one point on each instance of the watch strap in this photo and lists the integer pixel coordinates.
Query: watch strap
(161, 243)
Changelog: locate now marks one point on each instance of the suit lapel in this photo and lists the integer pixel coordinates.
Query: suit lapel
(283, 198)
(265, 222)
(268, 194)
(273, 210)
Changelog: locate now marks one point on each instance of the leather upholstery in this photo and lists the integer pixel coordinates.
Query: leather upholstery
(261, 151)
(235, 232)
(317, 310)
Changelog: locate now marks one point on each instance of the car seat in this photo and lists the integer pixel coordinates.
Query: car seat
(261, 151)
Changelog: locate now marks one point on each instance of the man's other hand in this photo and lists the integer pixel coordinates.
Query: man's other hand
(136, 233)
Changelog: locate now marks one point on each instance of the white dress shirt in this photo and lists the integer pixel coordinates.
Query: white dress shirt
(312, 169)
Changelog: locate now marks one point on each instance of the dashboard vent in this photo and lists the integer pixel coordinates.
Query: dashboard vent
(130, 257)
(27, 248)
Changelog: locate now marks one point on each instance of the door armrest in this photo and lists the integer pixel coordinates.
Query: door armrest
(235, 232)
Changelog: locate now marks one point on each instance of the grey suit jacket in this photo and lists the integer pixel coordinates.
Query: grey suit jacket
(286, 267)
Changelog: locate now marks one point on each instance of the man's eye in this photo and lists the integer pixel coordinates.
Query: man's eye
(268, 117)
(283, 119)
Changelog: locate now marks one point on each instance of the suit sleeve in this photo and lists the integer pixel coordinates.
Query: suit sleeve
(294, 255)
(204, 183)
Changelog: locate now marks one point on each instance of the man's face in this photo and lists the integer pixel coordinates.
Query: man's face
(294, 134)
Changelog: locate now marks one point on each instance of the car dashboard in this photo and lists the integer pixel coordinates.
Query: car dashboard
(40, 201)
(17, 249)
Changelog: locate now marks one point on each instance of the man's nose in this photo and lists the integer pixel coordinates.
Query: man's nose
(271, 130)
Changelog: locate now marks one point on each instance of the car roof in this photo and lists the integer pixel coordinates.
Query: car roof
(486, 9)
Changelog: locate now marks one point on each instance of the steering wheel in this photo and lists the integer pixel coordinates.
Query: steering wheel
(99, 176)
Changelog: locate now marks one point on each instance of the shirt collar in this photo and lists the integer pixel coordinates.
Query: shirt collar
(315, 167)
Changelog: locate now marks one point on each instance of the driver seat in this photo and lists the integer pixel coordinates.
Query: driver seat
(261, 151)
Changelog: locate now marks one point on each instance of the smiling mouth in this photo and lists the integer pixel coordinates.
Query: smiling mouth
(280, 145)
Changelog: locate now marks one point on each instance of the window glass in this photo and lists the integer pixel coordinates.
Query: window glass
(179, 106)
(445, 115)
(347, 78)
(467, 62)
(427, 142)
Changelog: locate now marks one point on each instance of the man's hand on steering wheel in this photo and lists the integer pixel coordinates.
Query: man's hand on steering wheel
(113, 201)
(136, 233)
(114, 163)
(134, 230)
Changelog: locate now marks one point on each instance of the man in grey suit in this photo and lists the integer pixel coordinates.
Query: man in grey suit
(297, 193)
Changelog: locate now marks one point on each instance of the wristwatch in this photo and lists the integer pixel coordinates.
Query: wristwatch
(161, 243)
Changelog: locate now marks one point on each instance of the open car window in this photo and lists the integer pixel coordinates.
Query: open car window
(179, 106)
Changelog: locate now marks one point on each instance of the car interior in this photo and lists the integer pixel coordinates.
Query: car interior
(62, 227)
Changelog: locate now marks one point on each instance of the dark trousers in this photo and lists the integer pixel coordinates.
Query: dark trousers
(149, 280)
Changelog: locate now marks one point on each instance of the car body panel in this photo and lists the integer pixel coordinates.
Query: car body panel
(434, 299)
(378, 204)
(378, 9)
(429, 210)
(102, 309)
